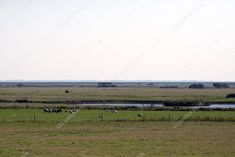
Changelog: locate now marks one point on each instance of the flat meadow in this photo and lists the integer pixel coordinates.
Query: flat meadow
(38, 115)
(57, 94)
(107, 138)
(32, 132)
(26, 130)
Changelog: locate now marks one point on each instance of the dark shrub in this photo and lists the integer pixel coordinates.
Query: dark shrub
(106, 84)
(183, 103)
(20, 85)
(66, 91)
(230, 95)
(169, 87)
(197, 86)
(150, 84)
(220, 85)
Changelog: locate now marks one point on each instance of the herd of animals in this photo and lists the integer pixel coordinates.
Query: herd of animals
(48, 110)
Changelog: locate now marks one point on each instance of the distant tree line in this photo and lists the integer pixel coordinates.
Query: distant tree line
(197, 86)
(169, 87)
(20, 85)
(215, 85)
(106, 84)
(220, 85)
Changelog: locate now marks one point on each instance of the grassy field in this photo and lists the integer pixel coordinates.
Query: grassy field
(118, 139)
(30, 115)
(115, 94)
(26, 132)
(32, 132)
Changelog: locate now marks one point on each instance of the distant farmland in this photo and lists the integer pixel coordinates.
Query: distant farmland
(114, 95)
(135, 132)
(117, 83)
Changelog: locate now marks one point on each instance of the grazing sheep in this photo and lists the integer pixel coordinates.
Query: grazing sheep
(72, 110)
(58, 110)
(114, 111)
(46, 110)
(52, 110)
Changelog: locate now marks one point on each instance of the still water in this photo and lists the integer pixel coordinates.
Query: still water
(212, 106)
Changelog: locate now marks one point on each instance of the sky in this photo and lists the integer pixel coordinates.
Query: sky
(117, 40)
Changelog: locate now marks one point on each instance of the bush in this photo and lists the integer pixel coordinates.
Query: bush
(197, 86)
(184, 103)
(230, 95)
(20, 85)
(150, 84)
(169, 87)
(220, 85)
(67, 91)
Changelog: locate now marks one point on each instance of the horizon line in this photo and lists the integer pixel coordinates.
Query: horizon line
(115, 81)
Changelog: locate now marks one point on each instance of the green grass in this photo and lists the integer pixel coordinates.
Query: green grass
(120, 134)
(117, 139)
(32, 132)
(116, 94)
(27, 115)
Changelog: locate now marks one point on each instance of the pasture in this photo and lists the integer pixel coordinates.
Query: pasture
(119, 139)
(26, 132)
(78, 94)
(38, 115)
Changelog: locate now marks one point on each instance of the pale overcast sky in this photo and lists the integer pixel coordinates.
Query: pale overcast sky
(117, 40)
